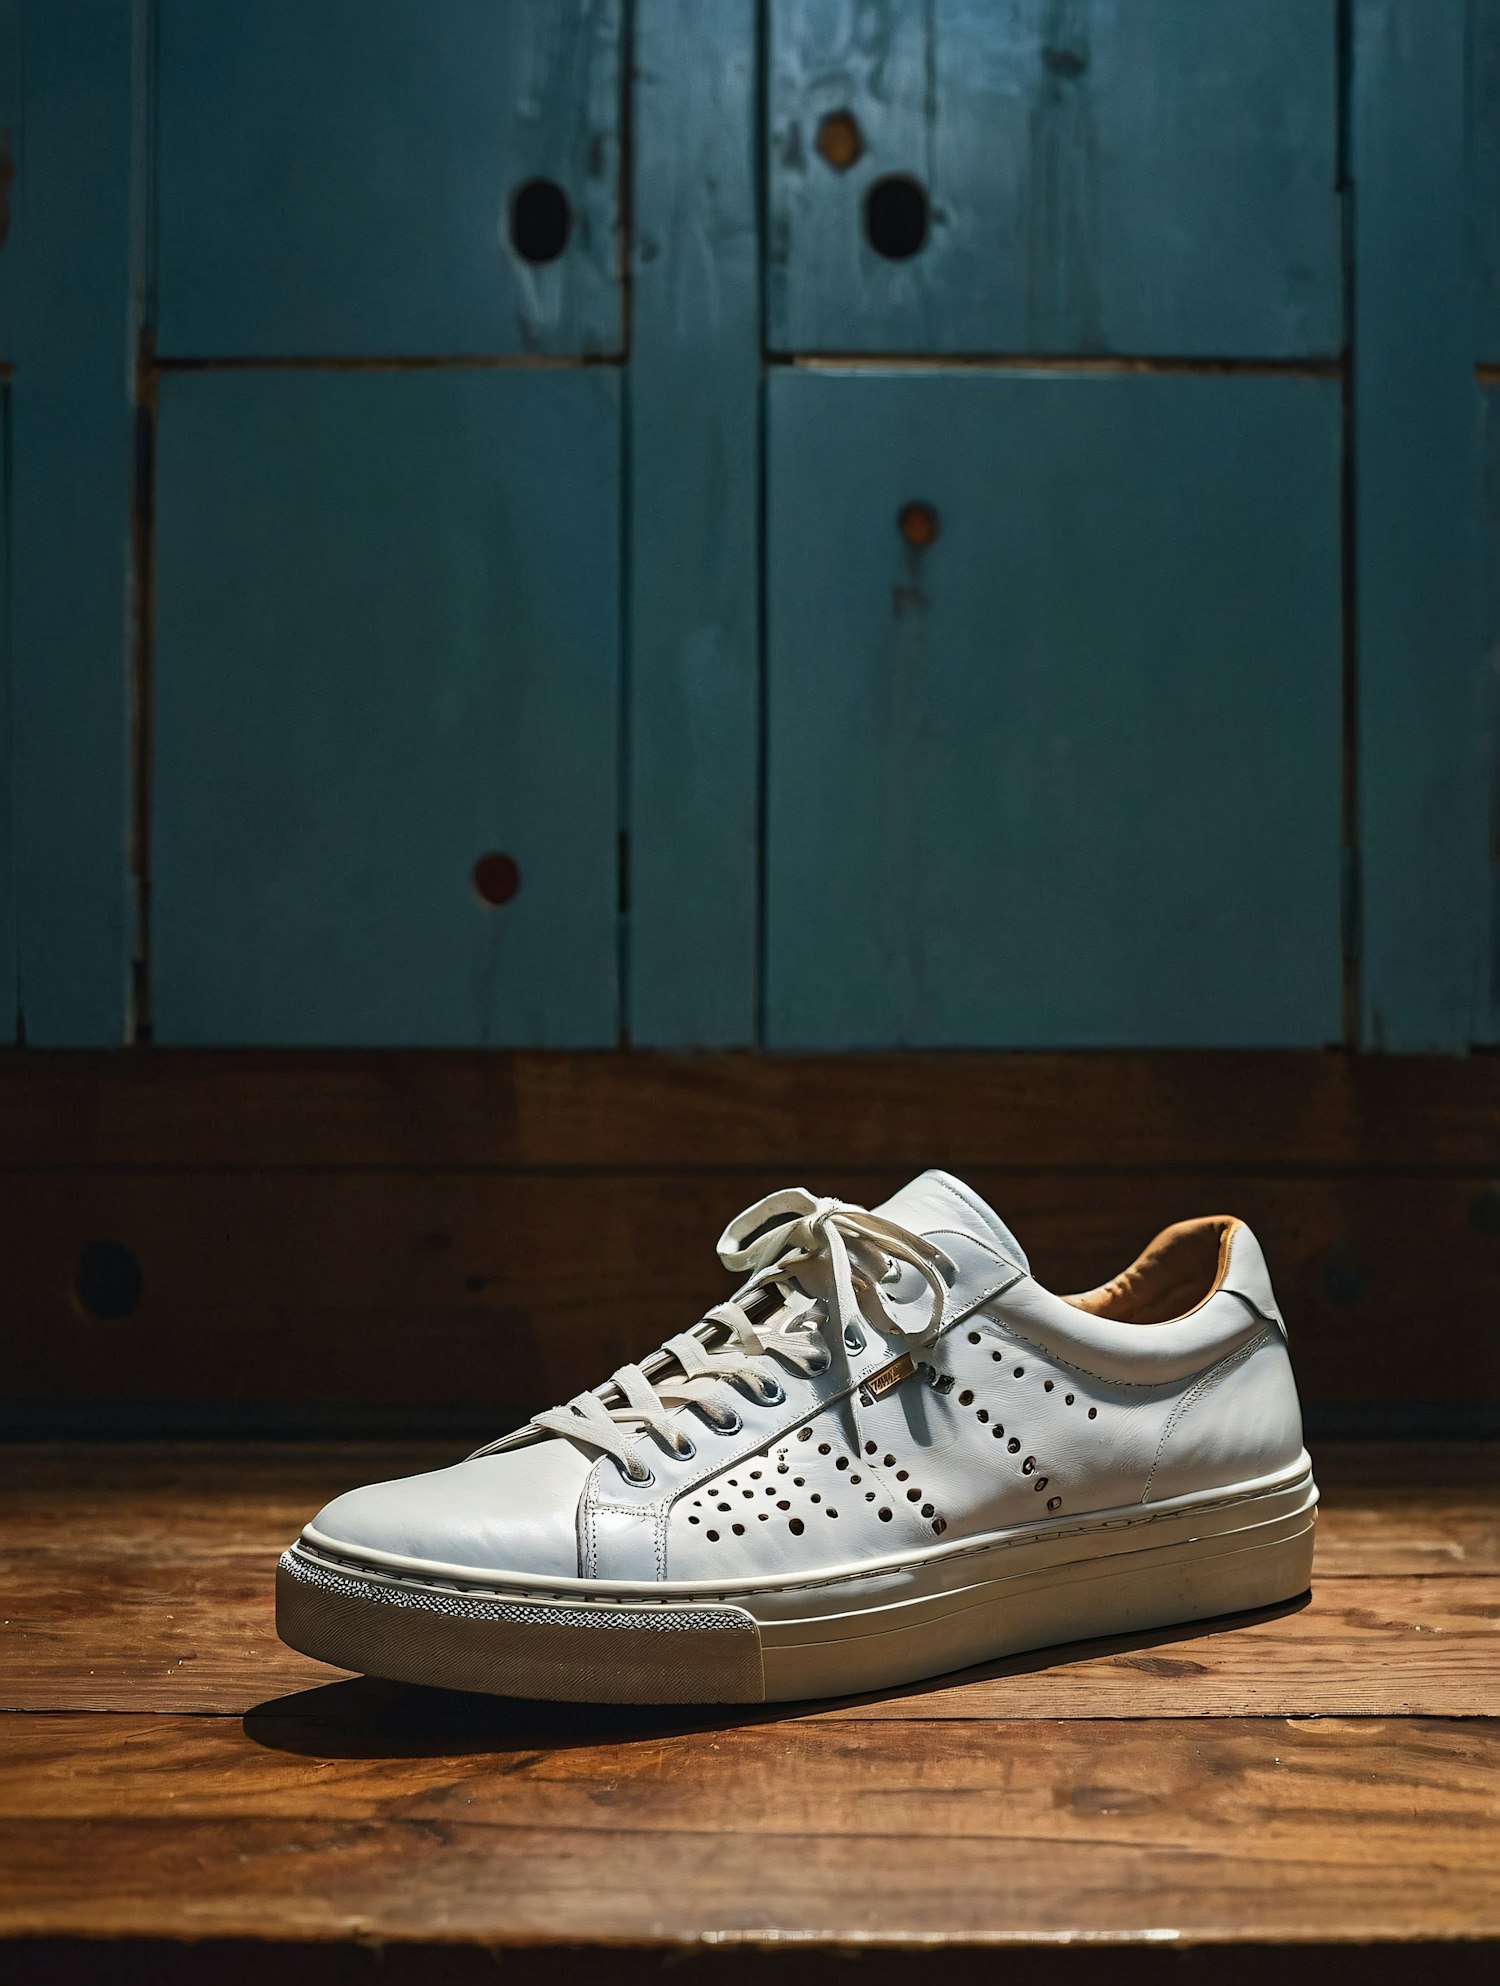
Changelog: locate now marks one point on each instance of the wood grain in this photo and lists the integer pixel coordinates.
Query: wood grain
(1266, 1783)
(506, 1291)
(1014, 1832)
(161, 1561)
(1074, 1113)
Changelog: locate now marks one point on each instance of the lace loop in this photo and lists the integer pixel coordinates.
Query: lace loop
(837, 1244)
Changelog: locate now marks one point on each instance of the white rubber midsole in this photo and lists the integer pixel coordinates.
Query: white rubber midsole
(847, 1630)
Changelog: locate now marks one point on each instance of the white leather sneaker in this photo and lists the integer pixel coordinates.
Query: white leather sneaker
(891, 1454)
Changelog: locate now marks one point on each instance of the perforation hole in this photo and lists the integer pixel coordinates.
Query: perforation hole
(804, 1434)
(815, 1498)
(1093, 1413)
(856, 1479)
(914, 1496)
(926, 1509)
(902, 1474)
(795, 1526)
(712, 1536)
(1028, 1465)
(832, 1512)
(842, 1462)
(1040, 1483)
(825, 1448)
(983, 1414)
(884, 1516)
(973, 1337)
(997, 1430)
(890, 1462)
(1013, 1445)
(939, 1525)
(869, 1448)
(966, 1399)
(783, 1503)
(1046, 1385)
(1054, 1503)
(997, 1356)
(723, 1506)
(693, 1520)
(1067, 1399)
(738, 1530)
(1020, 1372)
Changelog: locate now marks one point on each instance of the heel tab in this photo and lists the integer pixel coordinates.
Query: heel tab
(1246, 1275)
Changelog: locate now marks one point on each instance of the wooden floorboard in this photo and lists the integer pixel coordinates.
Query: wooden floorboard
(1327, 1771)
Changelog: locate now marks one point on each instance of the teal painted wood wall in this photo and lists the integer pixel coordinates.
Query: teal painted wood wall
(700, 523)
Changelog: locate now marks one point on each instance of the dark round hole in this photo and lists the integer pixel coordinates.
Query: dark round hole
(107, 1281)
(918, 525)
(496, 879)
(540, 220)
(896, 216)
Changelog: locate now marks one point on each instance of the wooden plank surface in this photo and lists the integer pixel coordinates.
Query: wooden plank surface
(334, 752)
(1151, 178)
(693, 850)
(1006, 799)
(1183, 1111)
(1280, 1781)
(167, 1552)
(1017, 1833)
(334, 177)
(502, 1291)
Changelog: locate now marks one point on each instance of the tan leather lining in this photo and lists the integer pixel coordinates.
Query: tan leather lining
(1172, 1276)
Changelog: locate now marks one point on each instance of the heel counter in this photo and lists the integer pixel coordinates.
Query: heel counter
(1241, 1420)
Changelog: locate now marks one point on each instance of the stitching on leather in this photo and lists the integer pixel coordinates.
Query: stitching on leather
(1206, 1384)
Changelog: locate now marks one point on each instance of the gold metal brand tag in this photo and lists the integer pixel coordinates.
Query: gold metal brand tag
(889, 1376)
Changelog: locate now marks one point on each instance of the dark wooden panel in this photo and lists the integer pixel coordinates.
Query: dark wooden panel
(1025, 1112)
(499, 1290)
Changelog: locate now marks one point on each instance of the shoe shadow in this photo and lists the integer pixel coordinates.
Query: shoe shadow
(364, 1717)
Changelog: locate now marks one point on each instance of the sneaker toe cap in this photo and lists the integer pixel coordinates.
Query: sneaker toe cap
(513, 1512)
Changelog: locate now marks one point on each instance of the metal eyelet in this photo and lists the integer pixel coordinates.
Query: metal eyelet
(685, 1449)
(772, 1394)
(731, 1424)
(854, 1339)
(820, 1364)
(641, 1481)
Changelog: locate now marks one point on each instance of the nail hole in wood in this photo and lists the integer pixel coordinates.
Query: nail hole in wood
(540, 220)
(496, 879)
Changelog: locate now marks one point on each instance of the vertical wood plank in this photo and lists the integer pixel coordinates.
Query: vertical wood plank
(71, 470)
(1064, 771)
(1149, 177)
(1484, 178)
(694, 503)
(387, 638)
(1419, 737)
(335, 177)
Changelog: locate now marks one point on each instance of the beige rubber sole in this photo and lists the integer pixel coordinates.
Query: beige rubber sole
(865, 1628)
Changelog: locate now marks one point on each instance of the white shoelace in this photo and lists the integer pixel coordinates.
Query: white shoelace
(833, 1243)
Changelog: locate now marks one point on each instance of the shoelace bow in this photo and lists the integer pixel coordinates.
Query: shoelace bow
(770, 1241)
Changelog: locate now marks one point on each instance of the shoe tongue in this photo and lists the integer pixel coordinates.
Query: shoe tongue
(936, 1200)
